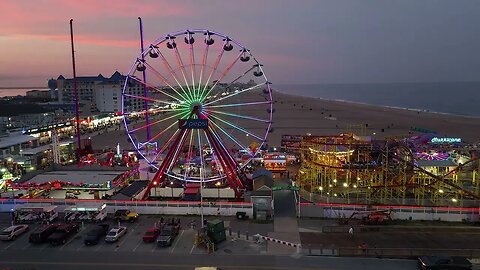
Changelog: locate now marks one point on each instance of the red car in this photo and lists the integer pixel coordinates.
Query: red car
(151, 235)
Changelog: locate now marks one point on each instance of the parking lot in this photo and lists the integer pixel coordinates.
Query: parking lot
(132, 240)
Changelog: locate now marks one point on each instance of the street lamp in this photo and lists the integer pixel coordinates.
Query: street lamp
(201, 196)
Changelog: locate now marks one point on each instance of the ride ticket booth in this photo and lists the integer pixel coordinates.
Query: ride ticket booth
(262, 195)
(276, 163)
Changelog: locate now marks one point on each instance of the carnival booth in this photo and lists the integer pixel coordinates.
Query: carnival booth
(34, 214)
(88, 214)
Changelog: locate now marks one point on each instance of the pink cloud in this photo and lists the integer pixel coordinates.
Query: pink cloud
(50, 16)
(127, 8)
(84, 39)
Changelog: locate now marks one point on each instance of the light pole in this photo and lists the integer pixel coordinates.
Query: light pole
(75, 92)
(201, 196)
(145, 89)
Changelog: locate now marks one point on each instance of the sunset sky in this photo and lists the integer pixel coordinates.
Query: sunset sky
(317, 41)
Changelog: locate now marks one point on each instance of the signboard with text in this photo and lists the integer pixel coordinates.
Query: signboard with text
(192, 123)
(437, 140)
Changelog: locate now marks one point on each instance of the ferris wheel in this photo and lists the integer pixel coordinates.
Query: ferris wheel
(197, 106)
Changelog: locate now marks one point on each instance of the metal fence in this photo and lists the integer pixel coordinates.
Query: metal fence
(405, 252)
(319, 198)
(142, 207)
(390, 228)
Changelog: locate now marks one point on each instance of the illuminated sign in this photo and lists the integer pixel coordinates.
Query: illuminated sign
(193, 123)
(45, 128)
(445, 140)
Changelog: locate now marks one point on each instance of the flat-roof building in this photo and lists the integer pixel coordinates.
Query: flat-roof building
(98, 92)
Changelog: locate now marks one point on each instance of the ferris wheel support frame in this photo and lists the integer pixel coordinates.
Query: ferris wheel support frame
(227, 162)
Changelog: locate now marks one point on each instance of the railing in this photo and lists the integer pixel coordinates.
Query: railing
(400, 253)
(405, 252)
(396, 228)
(397, 208)
(315, 197)
(400, 212)
(142, 207)
(127, 202)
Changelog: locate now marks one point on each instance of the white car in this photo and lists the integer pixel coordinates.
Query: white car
(12, 232)
(115, 233)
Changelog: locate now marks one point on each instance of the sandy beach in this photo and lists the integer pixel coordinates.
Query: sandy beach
(301, 115)
(296, 115)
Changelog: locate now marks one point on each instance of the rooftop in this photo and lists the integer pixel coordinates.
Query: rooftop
(436, 163)
(15, 139)
(116, 76)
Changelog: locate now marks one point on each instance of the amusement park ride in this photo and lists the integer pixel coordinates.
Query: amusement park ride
(346, 168)
(197, 112)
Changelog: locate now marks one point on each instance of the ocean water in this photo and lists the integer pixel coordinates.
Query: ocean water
(5, 92)
(460, 98)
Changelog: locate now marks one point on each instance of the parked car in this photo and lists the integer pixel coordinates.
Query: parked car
(115, 233)
(151, 235)
(168, 235)
(444, 262)
(125, 215)
(95, 234)
(41, 234)
(62, 233)
(12, 232)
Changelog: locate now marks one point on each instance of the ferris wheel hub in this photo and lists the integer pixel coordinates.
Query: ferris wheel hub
(196, 108)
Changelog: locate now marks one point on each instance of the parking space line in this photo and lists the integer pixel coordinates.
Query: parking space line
(125, 237)
(72, 238)
(11, 244)
(99, 246)
(154, 246)
(176, 242)
(191, 250)
(139, 242)
(27, 246)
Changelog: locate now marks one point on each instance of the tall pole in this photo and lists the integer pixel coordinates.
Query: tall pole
(201, 196)
(75, 92)
(145, 89)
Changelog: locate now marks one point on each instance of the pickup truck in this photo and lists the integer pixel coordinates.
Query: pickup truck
(94, 235)
(125, 215)
(444, 262)
(62, 233)
(167, 235)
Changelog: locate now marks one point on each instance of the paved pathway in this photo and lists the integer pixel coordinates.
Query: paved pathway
(285, 225)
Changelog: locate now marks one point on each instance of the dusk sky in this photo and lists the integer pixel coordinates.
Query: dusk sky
(336, 41)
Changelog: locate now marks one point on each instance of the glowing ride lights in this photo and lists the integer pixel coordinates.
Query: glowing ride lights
(204, 91)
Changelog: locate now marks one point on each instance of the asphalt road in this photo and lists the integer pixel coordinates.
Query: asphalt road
(131, 253)
(72, 260)
(284, 201)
